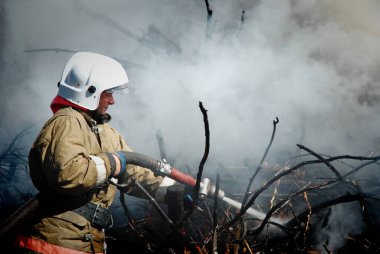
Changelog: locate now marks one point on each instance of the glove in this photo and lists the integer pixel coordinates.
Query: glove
(160, 168)
(123, 162)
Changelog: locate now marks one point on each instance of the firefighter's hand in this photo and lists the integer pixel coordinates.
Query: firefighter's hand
(121, 164)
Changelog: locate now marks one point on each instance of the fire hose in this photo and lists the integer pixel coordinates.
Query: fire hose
(162, 168)
(29, 210)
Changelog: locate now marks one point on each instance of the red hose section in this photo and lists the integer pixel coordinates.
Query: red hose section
(182, 177)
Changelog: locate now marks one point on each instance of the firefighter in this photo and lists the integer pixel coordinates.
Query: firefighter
(73, 158)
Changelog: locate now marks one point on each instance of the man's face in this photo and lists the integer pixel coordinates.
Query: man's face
(106, 99)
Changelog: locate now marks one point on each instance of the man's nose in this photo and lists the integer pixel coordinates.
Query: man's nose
(111, 99)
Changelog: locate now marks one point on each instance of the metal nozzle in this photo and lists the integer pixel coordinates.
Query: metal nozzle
(208, 189)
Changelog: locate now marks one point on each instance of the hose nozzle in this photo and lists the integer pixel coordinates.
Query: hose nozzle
(208, 189)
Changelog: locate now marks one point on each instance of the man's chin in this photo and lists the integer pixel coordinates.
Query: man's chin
(100, 116)
(101, 112)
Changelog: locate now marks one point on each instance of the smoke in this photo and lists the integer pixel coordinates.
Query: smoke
(313, 64)
(335, 234)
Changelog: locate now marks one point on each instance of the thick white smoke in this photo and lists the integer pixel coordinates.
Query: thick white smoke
(307, 62)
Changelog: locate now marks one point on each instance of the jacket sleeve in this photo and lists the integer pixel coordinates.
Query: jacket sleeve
(65, 162)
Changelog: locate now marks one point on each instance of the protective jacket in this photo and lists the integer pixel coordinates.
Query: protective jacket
(64, 169)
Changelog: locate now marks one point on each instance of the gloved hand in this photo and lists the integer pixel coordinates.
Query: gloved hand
(123, 162)
(137, 167)
(159, 168)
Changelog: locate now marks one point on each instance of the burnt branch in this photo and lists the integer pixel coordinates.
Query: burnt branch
(132, 223)
(11, 151)
(151, 199)
(155, 204)
(206, 151)
(215, 216)
(127, 213)
(280, 204)
(355, 170)
(161, 145)
(284, 173)
(328, 164)
(347, 198)
(275, 122)
(201, 164)
(209, 11)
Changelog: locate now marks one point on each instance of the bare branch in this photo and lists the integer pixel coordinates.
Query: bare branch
(328, 164)
(275, 122)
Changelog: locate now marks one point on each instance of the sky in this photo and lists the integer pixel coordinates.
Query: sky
(314, 64)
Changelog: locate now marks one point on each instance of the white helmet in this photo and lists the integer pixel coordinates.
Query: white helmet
(86, 75)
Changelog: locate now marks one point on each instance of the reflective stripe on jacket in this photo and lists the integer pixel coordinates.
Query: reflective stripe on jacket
(44, 247)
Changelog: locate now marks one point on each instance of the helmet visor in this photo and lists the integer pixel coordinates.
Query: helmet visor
(119, 89)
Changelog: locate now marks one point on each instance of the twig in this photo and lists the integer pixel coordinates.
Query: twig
(132, 223)
(275, 122)
(161, 145)
(308, 217)
(327, 218)
(206, 151)
(209, 11)
(201, 164)
(10, 147)
(284, 173)
(348, 197)
(355, 170)
(207, 209)
(249, 248)
(151, 199)
(328, 164)
(280, 204)
(274, 194)
(327, 249)
(215, 216)
(131, 220)
(155, 204)
(295, 216)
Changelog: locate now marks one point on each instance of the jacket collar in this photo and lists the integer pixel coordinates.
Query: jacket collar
(59, 102)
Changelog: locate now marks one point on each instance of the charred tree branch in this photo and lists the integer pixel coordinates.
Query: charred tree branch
(161, 145)
(155, 204)
(127, 212)
(209, 11)
(328, 164)
(284, 173)
(284, 202)
(275, 122)
(201, 164)
(132, 223)
(348, 197)
(215, 216)
(206, 152)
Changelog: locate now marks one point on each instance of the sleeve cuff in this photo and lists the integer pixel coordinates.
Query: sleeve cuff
(101, 169)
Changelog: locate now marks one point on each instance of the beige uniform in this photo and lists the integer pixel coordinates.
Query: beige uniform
(63, 166)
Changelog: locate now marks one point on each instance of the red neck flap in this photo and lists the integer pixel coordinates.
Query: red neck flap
(59, 102)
